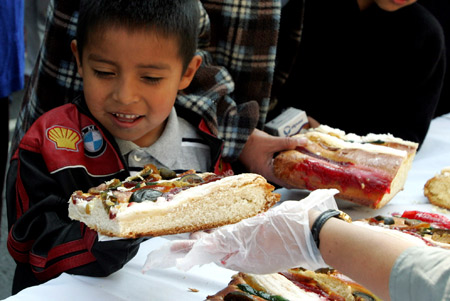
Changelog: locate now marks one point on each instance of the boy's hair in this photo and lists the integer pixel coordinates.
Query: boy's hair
(177, 19)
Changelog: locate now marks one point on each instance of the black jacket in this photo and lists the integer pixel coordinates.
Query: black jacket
(369, 71)
(65, 150)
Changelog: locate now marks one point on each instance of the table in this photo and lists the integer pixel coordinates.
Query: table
(170, 284)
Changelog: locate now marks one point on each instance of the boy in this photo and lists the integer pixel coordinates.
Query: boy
(134, 56)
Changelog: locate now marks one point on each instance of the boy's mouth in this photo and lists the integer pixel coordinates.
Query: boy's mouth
(126, 117)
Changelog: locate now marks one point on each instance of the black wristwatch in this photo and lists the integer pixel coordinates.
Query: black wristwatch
(323, 218)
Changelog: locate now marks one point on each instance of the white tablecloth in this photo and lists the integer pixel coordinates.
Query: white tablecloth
(170, 284)
(131, 284)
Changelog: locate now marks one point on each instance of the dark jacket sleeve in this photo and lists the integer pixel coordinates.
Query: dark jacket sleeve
(414, 83)
(43, 240)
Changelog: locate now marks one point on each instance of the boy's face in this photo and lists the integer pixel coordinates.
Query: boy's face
(131, 80)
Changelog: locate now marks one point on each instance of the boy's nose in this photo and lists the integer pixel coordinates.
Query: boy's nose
(126, 92)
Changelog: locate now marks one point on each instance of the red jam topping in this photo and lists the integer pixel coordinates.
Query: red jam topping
(346, 174)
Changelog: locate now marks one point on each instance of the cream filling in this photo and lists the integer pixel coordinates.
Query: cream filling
(361, 139)
(338, 142)
(276, 284)
(368, 138)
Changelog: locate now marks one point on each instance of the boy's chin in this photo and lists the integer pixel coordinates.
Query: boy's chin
(393, 5)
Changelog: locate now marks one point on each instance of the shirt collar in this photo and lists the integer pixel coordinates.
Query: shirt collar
(166, 149)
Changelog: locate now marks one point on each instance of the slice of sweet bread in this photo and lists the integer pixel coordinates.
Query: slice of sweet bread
(437, 189)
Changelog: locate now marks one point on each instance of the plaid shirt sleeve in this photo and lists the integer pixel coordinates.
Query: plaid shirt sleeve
(54, 80)
(231, 90)
(242, 41)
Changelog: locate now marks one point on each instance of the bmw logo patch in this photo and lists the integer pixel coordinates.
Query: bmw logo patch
(94, 144)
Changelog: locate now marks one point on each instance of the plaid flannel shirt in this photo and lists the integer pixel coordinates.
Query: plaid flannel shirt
(231, 90)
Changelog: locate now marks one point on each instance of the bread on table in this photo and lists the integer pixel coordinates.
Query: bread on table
(437, 189)
(294, 284)
(369, 170)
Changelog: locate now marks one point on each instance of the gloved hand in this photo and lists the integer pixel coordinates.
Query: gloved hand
(274, 241)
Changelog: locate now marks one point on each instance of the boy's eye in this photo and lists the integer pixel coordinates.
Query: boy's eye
(151, 79)
(103, 73)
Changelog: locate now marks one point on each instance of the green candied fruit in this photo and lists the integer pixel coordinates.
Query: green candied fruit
(142, 195)
(377, 142)
(146, 172)
(238, 296)
(167, 174)
(104, 195)
(248, 289)
(191, 179)
(362, 296)
(116, 183)
(387, 220)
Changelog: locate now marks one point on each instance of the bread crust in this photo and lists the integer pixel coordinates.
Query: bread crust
(334, 284)
(369, 174)
(206, 206)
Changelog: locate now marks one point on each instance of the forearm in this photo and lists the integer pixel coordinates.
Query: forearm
(362, 254)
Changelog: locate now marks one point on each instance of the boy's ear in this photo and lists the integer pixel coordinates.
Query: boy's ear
(76, 54)
(191, 69)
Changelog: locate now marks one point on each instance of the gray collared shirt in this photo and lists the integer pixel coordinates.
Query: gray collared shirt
(421, 273)
(180, 147)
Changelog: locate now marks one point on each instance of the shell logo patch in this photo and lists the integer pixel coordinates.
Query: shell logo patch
(64, 138)
(94, 144)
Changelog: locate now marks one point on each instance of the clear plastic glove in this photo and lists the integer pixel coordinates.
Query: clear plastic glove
(274, 241)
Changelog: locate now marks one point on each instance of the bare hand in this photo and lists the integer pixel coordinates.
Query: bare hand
(258, 153)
